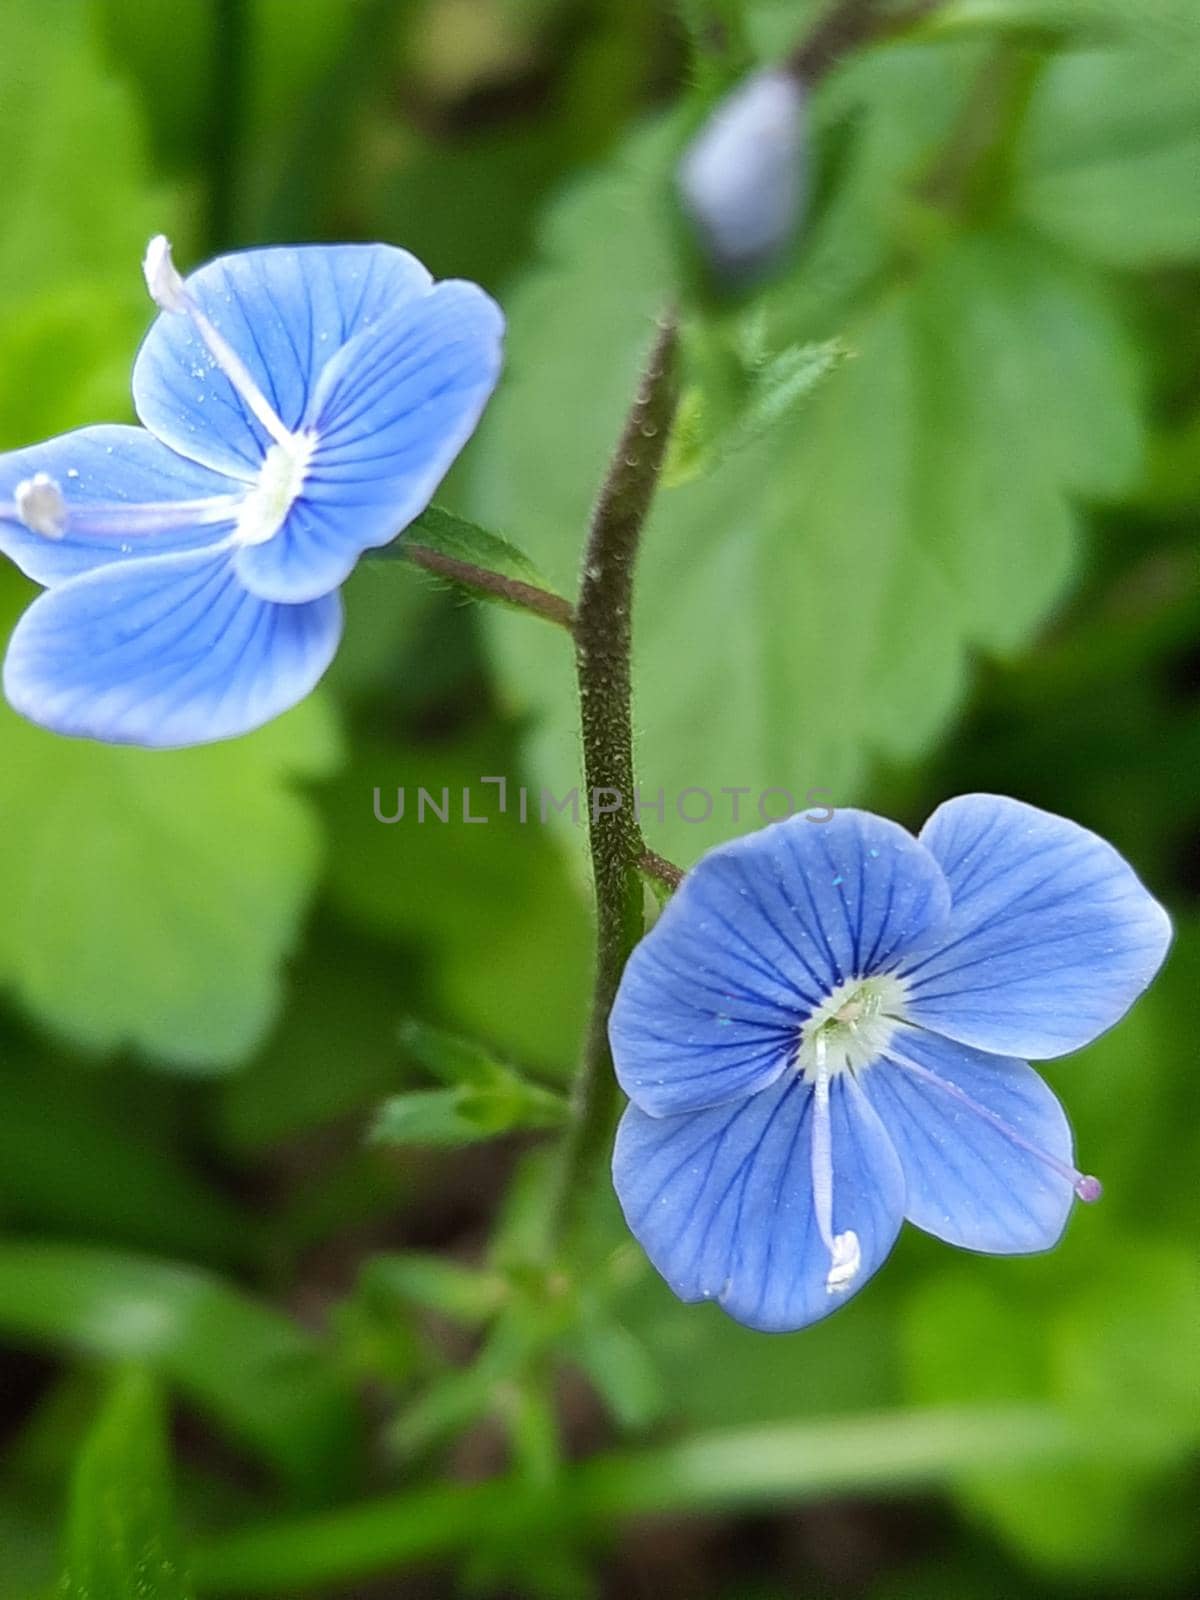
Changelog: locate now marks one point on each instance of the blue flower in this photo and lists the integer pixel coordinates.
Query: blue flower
(825, 1034)
(300, 406)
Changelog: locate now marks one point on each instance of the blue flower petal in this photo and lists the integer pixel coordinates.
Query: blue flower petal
(286, 312)
(165, 652)
(968, 1183)
(391, 412)
(758, 934)
(721, 1200)
(106, 466)
(1051, 937)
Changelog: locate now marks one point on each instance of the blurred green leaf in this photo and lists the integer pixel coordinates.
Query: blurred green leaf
(783, 1464)
(809, 606)
(347, 993)
(1109, 162)
(433, 1283)
(255, 1373)
(346, 998)
(485, 1097)
(80, 204)
(153, 895)
(1119, 1350)
(121, 1541)
(840, 1366)
(492, 905)
(447, 1056)
(1106, 1353)
(465, 1115)
(148, 42)
(1089, 21)
(620, 1366)
(60, 107)
(73, 1160)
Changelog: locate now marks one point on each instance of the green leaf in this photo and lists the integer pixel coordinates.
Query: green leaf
(152, 896)
(59, 109)
(121, 1539)
(1109, 161)
(80, 204)
(492, 904)
(347, 994)
(621, 1368)
(465, 1115)
(256, 1374)
(72, 1158)
(1104, 1351)
(453, 1059)
(773, 385)
(430, 1117)
(808, 608)
(462, 541)
(485, 1097)
(786, 1463)
(434, 1284)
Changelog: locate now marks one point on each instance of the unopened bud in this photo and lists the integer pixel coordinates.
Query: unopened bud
(40, 505)
(743, 178)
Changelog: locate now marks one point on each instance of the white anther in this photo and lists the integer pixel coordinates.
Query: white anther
(166, 287)
(168, 290)
(846, 1259)
(40, 505)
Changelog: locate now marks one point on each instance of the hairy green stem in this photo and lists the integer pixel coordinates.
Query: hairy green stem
(603, 641)
(552, 607)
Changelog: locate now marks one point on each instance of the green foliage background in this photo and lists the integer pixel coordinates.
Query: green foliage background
(932, 528)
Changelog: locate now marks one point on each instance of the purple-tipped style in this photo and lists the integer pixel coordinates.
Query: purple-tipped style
(826, 1032)
(299, 406)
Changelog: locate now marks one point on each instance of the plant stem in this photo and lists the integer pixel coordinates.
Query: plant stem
(603, 640)
(845, 27)
(552, 607)
(659, 868)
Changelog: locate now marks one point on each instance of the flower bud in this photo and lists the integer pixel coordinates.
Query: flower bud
(742, 180)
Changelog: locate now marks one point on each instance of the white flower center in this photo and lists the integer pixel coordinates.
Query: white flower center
(852, 1028)
(280, 480)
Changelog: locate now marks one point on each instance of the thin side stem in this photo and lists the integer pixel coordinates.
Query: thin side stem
(660, 869)
(603, 640)
(552, 607)
(845, 27)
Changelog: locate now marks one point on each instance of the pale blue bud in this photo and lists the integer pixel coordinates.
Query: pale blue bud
(743, 178)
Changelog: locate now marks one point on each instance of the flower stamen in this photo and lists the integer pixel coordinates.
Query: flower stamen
(40, 505)
(845, 1254)
(1087, 1188)
(280, 480)
(857, 1020)
(170, 293)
